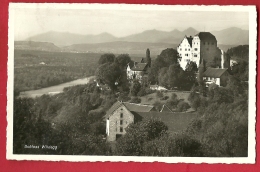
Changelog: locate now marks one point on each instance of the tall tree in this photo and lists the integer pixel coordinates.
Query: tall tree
(106, 58)
(148, 58)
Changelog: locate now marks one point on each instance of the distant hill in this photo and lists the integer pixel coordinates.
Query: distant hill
(32, 45)
(120, 47)
(230, 36)
(66, 38)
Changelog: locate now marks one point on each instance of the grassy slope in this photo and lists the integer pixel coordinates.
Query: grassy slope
(152, 98)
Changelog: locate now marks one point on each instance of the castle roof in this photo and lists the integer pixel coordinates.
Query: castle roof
(206, 36)
(214, 72)
(189, 40)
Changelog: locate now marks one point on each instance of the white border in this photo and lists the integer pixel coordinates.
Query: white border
(252, 84)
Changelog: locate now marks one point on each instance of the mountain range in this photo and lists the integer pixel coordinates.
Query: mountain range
(230, 36)
(155, 40)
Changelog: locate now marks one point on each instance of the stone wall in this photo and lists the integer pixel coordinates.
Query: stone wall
(118, 122)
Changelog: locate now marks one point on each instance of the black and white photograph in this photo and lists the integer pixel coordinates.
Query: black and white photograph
(122, 82)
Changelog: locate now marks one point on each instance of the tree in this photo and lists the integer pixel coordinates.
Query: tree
(148, 58)
(136, 86)
(109, 74)
(135, 100)
(165, 59)
(137, 134)
(106, 58)
(163, 77)
(182, 106)
(123, 60)
(176, 76)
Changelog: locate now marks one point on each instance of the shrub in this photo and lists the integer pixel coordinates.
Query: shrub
(165, 98)
(135, 100)
(124, 97)
(159, 94)
(158, 105)
(183, 106)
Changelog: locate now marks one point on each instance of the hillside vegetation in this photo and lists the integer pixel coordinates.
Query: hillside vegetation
(74, 120)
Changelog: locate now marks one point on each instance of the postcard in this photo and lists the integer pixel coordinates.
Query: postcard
(122, 82)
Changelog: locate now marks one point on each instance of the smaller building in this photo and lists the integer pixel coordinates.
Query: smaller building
(138, 71)
(216, 75)
(120, 115)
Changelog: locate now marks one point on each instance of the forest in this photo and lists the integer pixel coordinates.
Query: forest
(73, 120)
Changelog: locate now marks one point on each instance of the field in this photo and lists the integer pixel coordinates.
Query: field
(34, 69)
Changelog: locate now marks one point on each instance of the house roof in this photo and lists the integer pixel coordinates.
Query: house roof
(138, 107)
(214, 72)
(206, 36)
(175, 121)
(129, 106)
(165, 108)
(189, 40)
(139, 67)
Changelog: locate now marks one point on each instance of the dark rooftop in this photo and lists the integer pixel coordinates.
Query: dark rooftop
(175, 121)
(214, 72)
(139, 67)
(206, 36)
(189, 40)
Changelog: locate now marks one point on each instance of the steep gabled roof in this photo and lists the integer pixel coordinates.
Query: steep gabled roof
(138, 107)
(214, 72)
(165, 108)
(129, 106)
(114, 107)
(189, 40)
(139, 67)
(206, 36)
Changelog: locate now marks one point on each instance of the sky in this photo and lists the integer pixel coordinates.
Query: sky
(118, 22)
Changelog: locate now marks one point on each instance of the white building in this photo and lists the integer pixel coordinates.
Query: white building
(202, 46)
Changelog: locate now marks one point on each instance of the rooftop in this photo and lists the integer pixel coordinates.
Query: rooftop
(189, 40)
(206, 36)
(139, 67)
(175, 121)
(130, 106)
(214, 72)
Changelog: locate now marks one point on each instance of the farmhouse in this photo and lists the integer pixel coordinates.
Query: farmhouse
(202, 46)
(215, 75)
(120, 115)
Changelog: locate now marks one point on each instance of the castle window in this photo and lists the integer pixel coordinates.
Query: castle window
(121, 129)
(196, 49)
(189, 49)
(185, 49)
(195, 55)
(121, 115)
(121, 122)
(180, 49)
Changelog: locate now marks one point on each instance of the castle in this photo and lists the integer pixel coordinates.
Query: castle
(202, 47)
